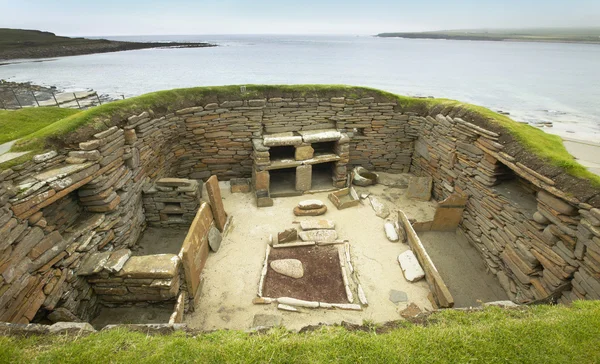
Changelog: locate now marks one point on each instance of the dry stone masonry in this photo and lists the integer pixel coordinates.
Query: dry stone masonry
(89, 199)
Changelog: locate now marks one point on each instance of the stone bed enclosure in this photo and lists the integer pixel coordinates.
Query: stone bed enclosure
(70, 214)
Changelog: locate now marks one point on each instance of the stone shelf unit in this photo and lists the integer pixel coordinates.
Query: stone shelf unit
(283, 163)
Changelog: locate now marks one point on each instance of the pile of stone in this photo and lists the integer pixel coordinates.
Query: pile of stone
(310, 208)
(172, 201)
(119, 278)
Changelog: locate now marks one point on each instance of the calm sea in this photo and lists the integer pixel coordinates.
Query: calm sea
(533, 81)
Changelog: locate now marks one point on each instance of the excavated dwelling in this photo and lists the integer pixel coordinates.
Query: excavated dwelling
(119, 219)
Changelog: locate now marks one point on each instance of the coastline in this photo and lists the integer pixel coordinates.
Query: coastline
(491, 38)
(89, 48)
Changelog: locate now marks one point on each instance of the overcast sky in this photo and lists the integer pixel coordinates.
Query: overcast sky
(150, 17)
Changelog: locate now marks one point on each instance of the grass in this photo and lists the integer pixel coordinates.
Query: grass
(538, 334)
(546, 146)
(19, 123)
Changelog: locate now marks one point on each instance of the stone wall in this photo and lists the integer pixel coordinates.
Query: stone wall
(540, 242)
(85, 197)
(172, 202)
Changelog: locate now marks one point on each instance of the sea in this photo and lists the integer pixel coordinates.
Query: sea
(535, 82)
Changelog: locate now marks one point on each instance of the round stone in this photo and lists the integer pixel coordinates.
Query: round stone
(312, 212)
(288, 267)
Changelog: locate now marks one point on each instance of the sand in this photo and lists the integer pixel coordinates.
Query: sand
(231, 275)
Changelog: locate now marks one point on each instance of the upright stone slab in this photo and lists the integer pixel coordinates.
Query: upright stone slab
(419, 188)
(216, 202)
(303, 178)
(449, 213)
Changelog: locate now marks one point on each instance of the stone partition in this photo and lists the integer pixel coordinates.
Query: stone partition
(84, 194)
(172, 202)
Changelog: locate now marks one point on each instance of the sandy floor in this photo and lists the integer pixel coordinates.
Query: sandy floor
(462, 269)
(586, 153)
(232, 274)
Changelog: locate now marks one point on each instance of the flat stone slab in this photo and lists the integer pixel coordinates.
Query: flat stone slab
(287, 236)
(317, 224)
(390, 231)
(288, 267)
(117, 260)
(173, 182)
(398, 296)
(94, 264)
(262, 321)
(324, 135)
(410, 266)
(419, 188)
(379, 207)
(319, 236)
(310, 204)
(281, 139)
(62, 172)
(214, 238)
(151, 266)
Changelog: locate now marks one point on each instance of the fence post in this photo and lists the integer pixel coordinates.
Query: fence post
(79, 106)
(3, 105)
(98, 97)
(55, 100)
(16, 98)
(35, 98)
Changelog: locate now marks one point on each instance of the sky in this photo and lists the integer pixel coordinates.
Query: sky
(151, 17)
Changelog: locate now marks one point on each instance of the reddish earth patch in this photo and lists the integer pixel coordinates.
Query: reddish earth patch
(322, 279)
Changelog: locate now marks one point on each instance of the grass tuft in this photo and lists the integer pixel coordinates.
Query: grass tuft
(537, 334)
(15, 124)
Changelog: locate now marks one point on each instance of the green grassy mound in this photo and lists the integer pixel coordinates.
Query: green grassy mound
(548, 147)
(15, 124)
(540, 334)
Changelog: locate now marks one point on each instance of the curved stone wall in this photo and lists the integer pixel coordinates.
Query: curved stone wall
(86, 196)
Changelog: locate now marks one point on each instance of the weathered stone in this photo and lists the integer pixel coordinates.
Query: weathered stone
(312, 212)
(419, 188)
(316, 136)
(173, 182)
(45, 156)
(93, 264)
(263, 321)
(288, 308)
(410, 266)
(261, 180)
(556, 203)
(71, 328)
(411, 311)
(390, 231)
(214, 238)
(303, 178)
(281, 139)
(287, 236)
(216, 202)
(62, 315)
(540, 219)
(398, 296)
(319, 236)
(379, 207)
(151, 266)
(310, 204)
(317, 224)
(304, 152)
(117, 260)
(288, 267)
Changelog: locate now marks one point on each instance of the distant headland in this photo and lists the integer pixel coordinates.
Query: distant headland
(549, 35)
(21, 43)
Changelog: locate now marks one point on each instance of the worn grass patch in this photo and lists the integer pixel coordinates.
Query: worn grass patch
(15, 124)
(540, 334)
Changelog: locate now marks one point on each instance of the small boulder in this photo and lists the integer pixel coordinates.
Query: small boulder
(390, 231)
(379, 207)
(288, 267)
(214, 238)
